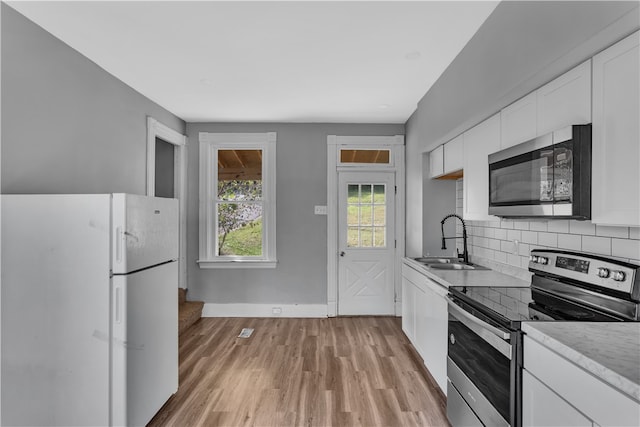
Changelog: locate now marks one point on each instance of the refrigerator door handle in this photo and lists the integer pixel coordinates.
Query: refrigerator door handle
(118, 305)
(119, 238)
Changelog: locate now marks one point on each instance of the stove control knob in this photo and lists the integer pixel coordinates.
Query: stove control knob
(452, 339)
(603, 272)
(618, 276)
(533, 259)
(543, 260)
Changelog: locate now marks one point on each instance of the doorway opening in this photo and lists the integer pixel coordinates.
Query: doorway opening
(365, 224)
(167, 177)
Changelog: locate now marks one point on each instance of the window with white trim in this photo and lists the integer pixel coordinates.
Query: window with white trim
(237, 200)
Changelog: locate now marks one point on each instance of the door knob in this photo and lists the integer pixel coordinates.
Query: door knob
(342, 253)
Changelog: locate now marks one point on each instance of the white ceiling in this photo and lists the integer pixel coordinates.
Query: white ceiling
(293, 61)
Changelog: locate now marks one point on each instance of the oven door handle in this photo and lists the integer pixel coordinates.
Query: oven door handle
(495, 337)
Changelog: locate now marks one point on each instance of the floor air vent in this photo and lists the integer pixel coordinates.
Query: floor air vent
(245, 333)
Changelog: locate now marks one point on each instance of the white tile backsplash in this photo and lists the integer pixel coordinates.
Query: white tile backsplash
(500, 257)
(571, 242)
(596, 245)
(501, 234)
(626, 248)
(607, 231)
(514, 260)
(507, 224)
(506, 246)
(582, 227)
(514, 235)
(538, 226)
(548, 239)
(493, 241)
(558, 226)
(524, 249)
(530, 237)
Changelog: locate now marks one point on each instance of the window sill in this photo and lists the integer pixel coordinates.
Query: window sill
(237, 264)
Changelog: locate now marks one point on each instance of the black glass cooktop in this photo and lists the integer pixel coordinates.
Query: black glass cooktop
(510, 303)
(509, 306)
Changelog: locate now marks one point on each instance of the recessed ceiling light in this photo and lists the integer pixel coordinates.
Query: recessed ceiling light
(383, 106)
(412, 56)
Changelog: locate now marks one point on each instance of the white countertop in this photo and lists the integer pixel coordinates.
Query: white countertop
(609, 351)
(467, 277)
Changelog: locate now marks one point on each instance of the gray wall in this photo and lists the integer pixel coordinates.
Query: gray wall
(521, 46)
(301, 182)
(67, 125)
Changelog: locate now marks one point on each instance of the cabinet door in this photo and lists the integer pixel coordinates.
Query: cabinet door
(433, 323)
(542, 407)
(436, 162)
(479, 142)
(453, 152)
(616, 134)
(566, 100)
(518, 121)
(408, 309)
(420, 308)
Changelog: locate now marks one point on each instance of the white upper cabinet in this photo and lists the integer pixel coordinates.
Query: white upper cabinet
(616, 134)
(566, 100)
(479, 142)
(519, 121)
(453, 155)
(436, 162)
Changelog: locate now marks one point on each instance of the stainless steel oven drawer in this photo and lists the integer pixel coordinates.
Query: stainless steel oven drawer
(477, 402)
(458, 412)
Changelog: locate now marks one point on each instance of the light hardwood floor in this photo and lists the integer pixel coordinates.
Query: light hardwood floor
(345, 371)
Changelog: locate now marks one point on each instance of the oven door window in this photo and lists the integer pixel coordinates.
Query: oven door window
(486, 367)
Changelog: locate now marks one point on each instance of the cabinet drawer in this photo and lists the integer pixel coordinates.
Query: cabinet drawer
(602, 403)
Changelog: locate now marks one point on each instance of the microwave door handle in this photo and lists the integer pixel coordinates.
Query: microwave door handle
(492, 335)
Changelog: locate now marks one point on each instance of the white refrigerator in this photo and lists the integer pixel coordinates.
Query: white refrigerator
(89, 309)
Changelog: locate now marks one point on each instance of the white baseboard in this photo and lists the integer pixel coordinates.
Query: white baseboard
(264, 310)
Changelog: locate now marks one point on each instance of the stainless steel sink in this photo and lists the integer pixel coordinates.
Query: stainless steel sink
(436, 260)
(457, 266)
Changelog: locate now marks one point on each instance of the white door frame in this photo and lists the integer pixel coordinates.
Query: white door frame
(334, 143)
(155, 129)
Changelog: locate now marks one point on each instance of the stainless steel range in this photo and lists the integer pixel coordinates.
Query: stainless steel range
(484, 366)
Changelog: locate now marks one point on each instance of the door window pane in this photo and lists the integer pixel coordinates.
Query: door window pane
(366, 216)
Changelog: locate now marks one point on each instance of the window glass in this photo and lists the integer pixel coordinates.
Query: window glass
(365, 156)
(239, 203)
(238, 183)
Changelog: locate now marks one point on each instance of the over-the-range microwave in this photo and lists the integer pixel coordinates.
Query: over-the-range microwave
(548, 176)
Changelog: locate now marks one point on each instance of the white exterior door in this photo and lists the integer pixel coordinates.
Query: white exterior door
(366, 243)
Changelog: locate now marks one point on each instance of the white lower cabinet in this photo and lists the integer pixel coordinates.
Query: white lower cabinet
(542, 407)
(557, 392)
(424, 321)
(408, 308)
